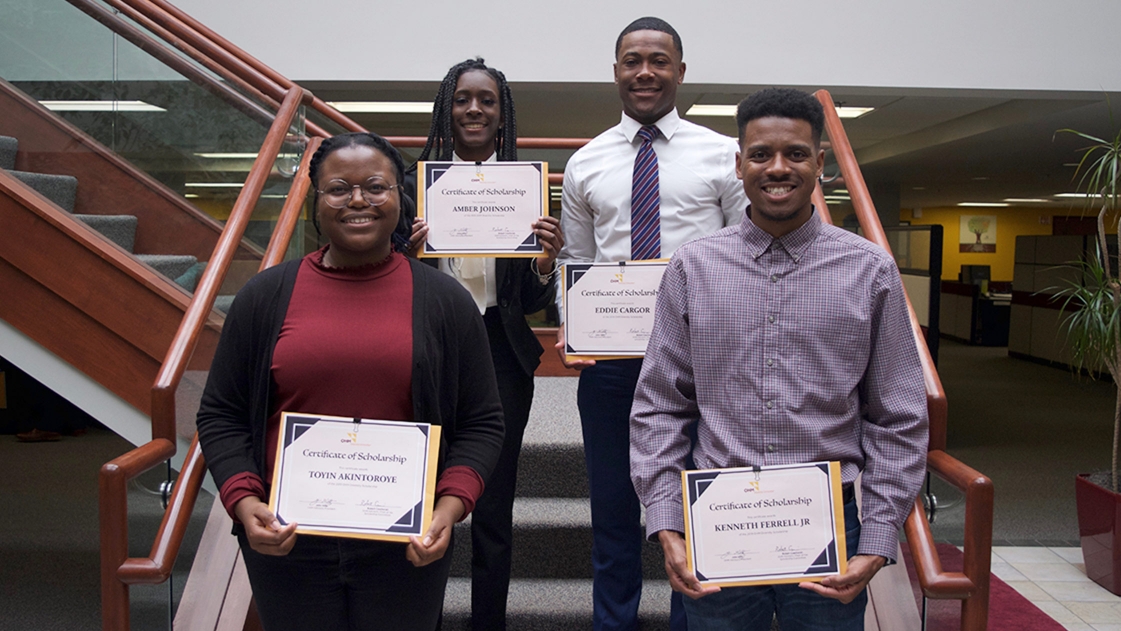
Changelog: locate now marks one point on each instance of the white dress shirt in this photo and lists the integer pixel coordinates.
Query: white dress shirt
(476, 274)
(697, 182)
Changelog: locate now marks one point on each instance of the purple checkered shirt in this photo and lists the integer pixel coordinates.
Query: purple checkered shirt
(782, 351)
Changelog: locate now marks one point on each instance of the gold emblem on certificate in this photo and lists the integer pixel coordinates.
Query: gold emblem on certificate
(482, 208)
(609, 307)
(764, 525)
(347, 477)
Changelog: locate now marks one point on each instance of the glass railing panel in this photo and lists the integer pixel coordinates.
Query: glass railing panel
(187, 127)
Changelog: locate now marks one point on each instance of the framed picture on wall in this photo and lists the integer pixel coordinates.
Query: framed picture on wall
(978, 233)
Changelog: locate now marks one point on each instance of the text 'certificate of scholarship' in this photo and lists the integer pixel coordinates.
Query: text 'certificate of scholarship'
(764, 525)
(482, 208)
(347, 477)
(609, 308)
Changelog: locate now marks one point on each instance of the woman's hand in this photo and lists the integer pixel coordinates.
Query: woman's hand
(448, 511)
(419, 234)
(263, 529)
(548, 230)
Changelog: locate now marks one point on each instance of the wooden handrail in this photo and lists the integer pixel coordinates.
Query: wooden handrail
(972, 585)
(175, 363)
(192, 52)
(290, 213)
(819, 203)
(149, 45)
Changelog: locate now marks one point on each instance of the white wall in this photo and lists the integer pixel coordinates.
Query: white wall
(956, 44)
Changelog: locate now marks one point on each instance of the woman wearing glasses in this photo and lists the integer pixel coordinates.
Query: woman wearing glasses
(355, 329)
(473, 120)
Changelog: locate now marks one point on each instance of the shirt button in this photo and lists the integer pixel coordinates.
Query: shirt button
(770, 362)
(774, 278)
(771, 319)
(770, 449)
(770, 404)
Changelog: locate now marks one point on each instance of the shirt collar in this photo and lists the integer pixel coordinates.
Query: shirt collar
(493, 158)
(795, 243)
(667, 125)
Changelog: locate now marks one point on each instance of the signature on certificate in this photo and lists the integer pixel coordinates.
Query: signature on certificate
(375, 508)
(323, 503)
(599, 334)
(734, 555)
(459, 232)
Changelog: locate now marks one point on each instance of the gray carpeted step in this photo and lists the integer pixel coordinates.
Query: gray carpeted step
(553, 605)
(8, 148)
(552, 470)
(60, 189)
(120, 229)
(222, 303)
(171, 265)
(552, 539)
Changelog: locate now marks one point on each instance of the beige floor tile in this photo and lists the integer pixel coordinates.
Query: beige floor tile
(1107, 627)
(1077, 626)
(1006, 572)
(1024, 554)
(1070, 555)
(1030, 590)
(1058, 612)
(1097, 613)
(1049, 571)
(1070, 591)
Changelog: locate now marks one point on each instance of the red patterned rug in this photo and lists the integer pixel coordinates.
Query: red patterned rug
(1008, 610)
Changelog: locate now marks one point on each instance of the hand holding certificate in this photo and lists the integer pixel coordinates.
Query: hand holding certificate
(355, 477)
(765, 525)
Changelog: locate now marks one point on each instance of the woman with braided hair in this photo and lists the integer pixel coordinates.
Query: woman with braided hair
(359, 330)
(473, 121)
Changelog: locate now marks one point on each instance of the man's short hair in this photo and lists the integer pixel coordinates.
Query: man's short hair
(650, 24)
(783, 103)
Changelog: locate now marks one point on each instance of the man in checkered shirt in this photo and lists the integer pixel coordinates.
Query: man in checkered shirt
(777, 341)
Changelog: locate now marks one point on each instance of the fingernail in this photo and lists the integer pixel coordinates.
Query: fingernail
(427, 541)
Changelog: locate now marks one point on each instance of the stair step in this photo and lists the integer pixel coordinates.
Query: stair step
(171, 265)
(552, 539)
(60, 189)
(553, 605)
(8, 148)
(120, 229)
(222, 303)
(552, 458)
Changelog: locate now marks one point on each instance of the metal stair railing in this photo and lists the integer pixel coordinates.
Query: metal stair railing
(972, 585)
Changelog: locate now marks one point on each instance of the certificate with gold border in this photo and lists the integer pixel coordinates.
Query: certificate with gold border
(353, 477)
(764, 525)
(609, 307)
(482, 208)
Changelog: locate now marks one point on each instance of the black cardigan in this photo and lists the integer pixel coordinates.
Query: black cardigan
(453, 380)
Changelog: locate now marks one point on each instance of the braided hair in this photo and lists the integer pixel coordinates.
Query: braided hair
(400, 237)
(441, 141)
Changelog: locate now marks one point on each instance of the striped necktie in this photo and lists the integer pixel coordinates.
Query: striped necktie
(646, 233)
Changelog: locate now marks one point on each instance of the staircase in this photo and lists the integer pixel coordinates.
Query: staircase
(551, 585)
(182, 269)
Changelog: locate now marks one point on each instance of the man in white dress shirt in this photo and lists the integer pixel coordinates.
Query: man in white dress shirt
(676, 181)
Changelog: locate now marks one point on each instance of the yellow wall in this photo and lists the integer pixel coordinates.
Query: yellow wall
(1010, 223)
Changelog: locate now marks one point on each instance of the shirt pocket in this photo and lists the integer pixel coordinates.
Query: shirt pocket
(830, 349)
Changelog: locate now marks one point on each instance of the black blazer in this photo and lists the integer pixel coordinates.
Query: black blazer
(518, 288)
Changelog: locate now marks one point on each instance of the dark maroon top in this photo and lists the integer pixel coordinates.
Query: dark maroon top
(345, 349)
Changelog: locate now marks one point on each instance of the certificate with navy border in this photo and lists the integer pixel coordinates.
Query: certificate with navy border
(609, 307)
(764, 525)
(482, 208)
(353, 477)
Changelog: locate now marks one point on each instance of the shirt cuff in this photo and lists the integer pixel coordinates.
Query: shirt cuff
(463, 482)
(664, 515)
(881, 539)
(239, 487)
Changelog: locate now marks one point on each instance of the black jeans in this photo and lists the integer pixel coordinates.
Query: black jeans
(333, 583)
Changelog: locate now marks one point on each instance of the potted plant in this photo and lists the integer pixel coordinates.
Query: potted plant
(1092, 322)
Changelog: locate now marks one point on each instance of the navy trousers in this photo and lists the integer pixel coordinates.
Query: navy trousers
(604, 399)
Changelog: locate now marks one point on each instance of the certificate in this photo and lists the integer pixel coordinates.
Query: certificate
(348, 477)
(764, 525)
(609, 308)
(482, 208)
